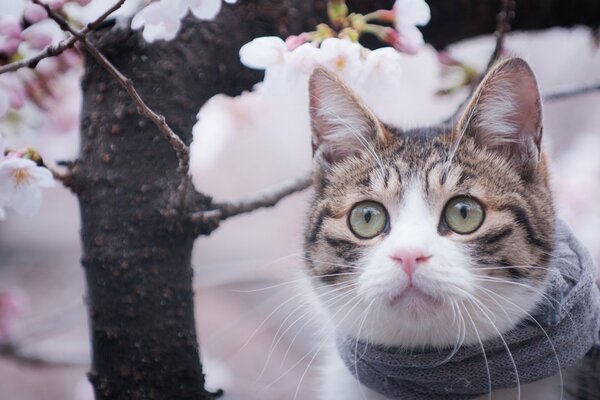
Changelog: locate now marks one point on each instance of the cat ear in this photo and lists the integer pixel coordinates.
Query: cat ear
(505, 113)
(341, 124)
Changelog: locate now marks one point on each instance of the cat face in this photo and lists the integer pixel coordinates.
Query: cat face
(430, 236)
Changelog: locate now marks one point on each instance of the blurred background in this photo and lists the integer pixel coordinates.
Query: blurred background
(258, 331)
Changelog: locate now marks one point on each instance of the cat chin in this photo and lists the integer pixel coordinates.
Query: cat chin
(423, 322)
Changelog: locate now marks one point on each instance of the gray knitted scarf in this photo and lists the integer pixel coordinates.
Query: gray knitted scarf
(571, 320)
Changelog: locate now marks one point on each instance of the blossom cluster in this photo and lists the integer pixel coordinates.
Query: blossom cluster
(340, 51)
(21, 180)
(21, 38)
(161, 20)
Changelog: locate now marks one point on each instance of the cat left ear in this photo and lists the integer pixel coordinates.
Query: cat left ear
(341, 124)
(505, 113)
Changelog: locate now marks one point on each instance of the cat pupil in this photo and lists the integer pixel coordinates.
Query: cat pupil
(463, 211)
(368, 216)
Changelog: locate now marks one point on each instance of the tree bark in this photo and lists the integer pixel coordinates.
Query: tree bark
(136, 251)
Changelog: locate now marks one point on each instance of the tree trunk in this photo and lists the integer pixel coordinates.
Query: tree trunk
(136, 255)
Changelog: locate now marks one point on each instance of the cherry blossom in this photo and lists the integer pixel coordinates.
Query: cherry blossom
(263, 52)
(34, 13)
(410, 14)
(161, 20)
(10, 35)
(20, 183)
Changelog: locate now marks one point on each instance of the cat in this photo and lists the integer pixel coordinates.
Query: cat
(430, 238)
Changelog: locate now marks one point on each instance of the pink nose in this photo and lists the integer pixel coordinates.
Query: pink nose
(410, 260)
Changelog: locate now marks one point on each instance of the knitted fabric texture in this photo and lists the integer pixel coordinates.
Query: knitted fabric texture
(569, 314)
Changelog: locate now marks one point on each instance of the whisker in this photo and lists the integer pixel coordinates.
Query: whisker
(487, 365)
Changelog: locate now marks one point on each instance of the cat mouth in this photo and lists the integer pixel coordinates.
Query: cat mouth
(413, 298)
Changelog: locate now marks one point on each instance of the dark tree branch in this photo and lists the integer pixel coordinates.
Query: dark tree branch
(63, 45)
(504, 18)
(566, 93)
(267, 198)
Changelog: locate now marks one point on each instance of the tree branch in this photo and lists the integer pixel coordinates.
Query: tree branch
(15, 353)
(159, 120)
(503, 20)
(55, 50)
(267, 198)
(565, 93)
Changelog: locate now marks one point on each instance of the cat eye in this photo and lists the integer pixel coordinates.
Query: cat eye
(367, 219)
(463, 215)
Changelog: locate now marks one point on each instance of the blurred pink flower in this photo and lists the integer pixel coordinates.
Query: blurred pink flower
(55, 4)
(10, 35)
(12, 93)
(34, 13)
(293, 42)
(12, 305)
(37, 36)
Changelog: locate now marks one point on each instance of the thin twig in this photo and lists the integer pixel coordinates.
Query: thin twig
(503, 20)
(14, 352)
(64, 177)
(571, 92)
(55, 50)
(159, 120)
(267, 198)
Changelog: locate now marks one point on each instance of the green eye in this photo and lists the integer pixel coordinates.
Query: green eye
(367, 219)
(464, 214)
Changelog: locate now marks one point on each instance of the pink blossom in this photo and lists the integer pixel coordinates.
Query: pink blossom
(55, 4)
(34, 13)
(37, 36)
(12, 305)
(10, 35)
(12, 92)
(293, 42)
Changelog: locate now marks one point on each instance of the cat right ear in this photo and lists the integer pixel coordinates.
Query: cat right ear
(341, 124)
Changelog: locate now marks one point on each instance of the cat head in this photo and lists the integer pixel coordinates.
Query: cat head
(425, 236)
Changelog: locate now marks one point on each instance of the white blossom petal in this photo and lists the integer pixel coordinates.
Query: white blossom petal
(411, 35)
(26, 200)
(42, 176)
(161, 20)
(20, 182)
(303, 59)
(341, 56)
(412, 12)
(263, 52)
(205, 9)
(2, 214)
